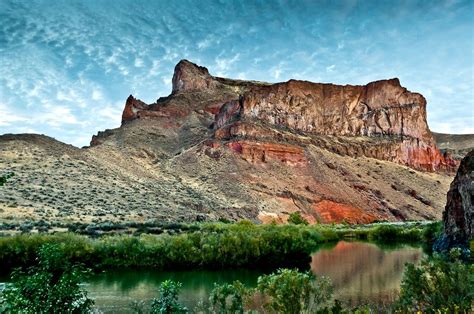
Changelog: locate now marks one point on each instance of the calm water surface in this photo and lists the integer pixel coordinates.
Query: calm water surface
(360, 272)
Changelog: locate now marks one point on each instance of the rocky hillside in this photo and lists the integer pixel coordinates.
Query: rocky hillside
(457, 145)
(217, 148)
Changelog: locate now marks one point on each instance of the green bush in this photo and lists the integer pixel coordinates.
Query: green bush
(441, 284)
(392, 233)
(285, 291)
(210, 245)
(50, 287)
(229, 298)
(5, 177)
(432, 232)
(296, 219)
(167, 303)
(289, 291)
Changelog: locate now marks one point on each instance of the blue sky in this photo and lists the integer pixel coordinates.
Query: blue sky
(68, 66)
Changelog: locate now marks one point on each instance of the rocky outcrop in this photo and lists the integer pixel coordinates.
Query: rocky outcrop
(218, 148)
(381, 109)
(378, 108)
(458, 216)
(301, 112)
(132, 107)
(191, 77)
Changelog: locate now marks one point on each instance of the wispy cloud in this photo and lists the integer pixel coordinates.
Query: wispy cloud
(67, 69)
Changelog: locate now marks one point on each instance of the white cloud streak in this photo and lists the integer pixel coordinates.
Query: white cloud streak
(67, 69)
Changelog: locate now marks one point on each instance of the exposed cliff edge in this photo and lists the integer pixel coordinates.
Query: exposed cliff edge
(249, 112)
(458, 216)
(224, 149)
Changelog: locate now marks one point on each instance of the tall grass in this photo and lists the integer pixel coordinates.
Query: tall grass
(212, 246)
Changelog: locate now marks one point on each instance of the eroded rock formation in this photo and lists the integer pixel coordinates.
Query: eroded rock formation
(265, 150)
(382, 110)
(458, 216)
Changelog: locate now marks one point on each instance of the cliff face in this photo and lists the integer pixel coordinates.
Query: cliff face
(191, 77)
(380, 109)
(218, 148)
(458, 216)
(383, 111)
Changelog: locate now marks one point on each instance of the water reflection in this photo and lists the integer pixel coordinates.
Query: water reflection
(361, 273)
(364, 272)
(113, 291)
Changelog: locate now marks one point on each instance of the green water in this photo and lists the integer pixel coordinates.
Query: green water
(113, 291)
(361, 273)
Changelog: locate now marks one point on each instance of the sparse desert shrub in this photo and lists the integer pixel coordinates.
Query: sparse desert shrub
(441, 284)
(4, 178)
(229, 298)
(26, 227)
(289, 291)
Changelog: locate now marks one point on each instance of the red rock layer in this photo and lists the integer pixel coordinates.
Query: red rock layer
(132, 107)
(298, 111)
(263, 152)
(381, 109)
(330, 211)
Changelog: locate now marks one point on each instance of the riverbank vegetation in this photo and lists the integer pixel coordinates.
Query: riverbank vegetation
(440, 284)
(206, 245)
(50, 286)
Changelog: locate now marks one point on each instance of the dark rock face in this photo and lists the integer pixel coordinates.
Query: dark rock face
(458, 216)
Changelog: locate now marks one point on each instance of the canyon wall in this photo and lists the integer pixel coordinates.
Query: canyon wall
(250, 113)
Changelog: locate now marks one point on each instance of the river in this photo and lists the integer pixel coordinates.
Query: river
(361, 272)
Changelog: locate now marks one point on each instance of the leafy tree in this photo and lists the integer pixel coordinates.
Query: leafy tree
(52, 286)
(441, 284)
(168, 301)
(296, 219)
(289, 291)
(229, 298)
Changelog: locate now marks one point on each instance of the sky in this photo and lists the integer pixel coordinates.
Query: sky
(67, 67)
